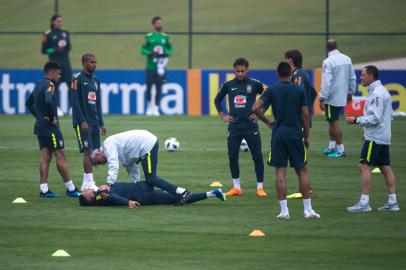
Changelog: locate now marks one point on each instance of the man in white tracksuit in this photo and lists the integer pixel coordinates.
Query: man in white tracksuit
(376, 122)
(129, 149)
(338, 84)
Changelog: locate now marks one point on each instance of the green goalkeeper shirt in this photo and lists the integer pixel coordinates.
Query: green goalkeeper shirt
(156, 45)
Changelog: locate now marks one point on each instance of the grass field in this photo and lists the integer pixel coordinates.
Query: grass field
(214, 51)
(207, 235)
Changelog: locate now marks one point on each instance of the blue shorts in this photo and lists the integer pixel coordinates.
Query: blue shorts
(374, 154)
(53, 142)
(332, 112)
(88, 140)
(287, 146)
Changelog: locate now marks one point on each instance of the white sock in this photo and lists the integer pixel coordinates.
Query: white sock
(180, 190)
(340, 148)
(364, 199)
(210, 194)
(88, 178)
(70, 186)
(44, 187)
(392, 198)
(307, 204)
(236, 183)
(284, 206)
(260, 185)
(332, 144)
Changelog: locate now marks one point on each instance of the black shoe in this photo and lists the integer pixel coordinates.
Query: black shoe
(183, 198)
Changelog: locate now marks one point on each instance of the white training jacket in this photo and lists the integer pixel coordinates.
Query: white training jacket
(338, 79)
(377, 117)
(127, 148)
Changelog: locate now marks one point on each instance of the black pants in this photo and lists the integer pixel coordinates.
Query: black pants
(154, 78)
(149, 166)
(253, 139)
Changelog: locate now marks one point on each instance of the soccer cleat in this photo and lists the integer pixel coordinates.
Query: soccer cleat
(219, 194)
(389, 207)
(359, 208)
(183, 198)
(336, 154)
(89, 185)
(73, 193)
(49, 194)
(261, 192)
(311, 214)
(328, 151)
(283, 216)
(234, 192)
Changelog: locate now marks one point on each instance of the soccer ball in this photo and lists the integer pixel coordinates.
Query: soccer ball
(172, 144)
(244, 146)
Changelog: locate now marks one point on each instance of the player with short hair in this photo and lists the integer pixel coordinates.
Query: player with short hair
(56, 44)
(337, 87)
(87, 117)
(376, 122)
(42, 104)
(130, 149)
(137, 194)
(242, 123)
(289, 142)
(157, 48)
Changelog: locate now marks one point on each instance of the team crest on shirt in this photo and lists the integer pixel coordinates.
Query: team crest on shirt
(249, 88)
(240, 101)
(298, 80)
(64, 34)
(91, 97)
(51, 89)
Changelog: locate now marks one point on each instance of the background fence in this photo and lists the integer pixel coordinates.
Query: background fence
(208, 33)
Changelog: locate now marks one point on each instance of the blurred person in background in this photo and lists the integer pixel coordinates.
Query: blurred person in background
(157, 48)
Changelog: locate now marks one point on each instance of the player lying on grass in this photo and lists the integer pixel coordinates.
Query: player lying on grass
(136, 194)
(129, 149)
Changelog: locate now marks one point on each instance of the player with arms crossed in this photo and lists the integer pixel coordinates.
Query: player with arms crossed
(289, 142)
(87, 115)
(242, 92)
(42, 104)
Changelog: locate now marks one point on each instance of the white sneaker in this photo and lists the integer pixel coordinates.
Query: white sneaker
(283, 216)
(89, 185)
(311, 214)
(389, 207)
(156, 111)
(359, 208)
(149, 111)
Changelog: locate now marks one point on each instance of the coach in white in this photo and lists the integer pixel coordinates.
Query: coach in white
(376, 122)
(129, 149)
(338, 84)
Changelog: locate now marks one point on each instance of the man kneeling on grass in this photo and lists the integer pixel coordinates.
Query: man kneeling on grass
(137, 194)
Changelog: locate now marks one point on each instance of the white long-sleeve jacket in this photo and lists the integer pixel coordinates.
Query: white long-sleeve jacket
(127, 148)
(377, 117)
(338, 79)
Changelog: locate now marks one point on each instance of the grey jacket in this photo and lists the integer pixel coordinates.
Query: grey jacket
(338, 79)
(377, 117)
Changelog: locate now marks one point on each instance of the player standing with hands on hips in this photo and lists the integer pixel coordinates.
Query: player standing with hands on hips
(376, 122)
(157, 48)
(242, 123)
(87, 115)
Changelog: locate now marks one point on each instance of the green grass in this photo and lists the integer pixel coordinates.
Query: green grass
(206, 235)
(264, 52)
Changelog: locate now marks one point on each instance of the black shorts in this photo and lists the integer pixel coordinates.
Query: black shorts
(88, 140)
(287, 146)
(332, 112)
(152, 77)
(54, 142)
(374, 154)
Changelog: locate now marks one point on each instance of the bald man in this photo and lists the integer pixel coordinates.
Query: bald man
(338, 84)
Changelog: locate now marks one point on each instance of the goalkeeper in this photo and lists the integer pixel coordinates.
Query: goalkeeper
(135, 194)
